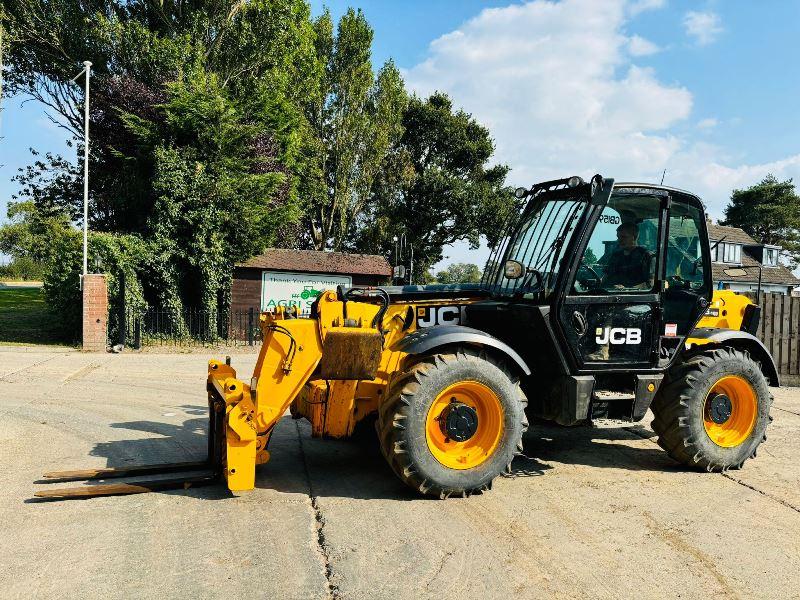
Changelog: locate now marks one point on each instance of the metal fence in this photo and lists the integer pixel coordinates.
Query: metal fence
(186, 327)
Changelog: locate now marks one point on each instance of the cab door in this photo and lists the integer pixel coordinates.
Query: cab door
(610, 313)
(687, 287)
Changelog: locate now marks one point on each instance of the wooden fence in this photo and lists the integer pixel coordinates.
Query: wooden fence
(779, 329)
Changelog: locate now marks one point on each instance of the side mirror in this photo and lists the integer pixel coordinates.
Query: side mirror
(513, 269)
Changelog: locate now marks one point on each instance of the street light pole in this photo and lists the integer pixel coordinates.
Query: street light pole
(88, 68)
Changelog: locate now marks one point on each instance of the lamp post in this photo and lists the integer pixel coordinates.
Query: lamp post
(87, 68)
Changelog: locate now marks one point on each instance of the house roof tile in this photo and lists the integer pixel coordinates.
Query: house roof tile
(314, 261)
(731, 234)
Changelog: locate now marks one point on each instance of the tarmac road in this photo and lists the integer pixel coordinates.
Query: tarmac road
(593, 513)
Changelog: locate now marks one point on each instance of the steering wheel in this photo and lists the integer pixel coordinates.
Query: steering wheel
(676, 282)
(593, 282)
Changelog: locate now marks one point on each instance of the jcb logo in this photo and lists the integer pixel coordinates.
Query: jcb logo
(618, 335)
(428, 316)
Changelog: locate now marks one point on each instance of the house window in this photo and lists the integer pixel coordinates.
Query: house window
(771, 257)
(731, 253)
(724, 252)
(716, 251)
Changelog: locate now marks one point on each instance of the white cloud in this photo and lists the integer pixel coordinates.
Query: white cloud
(706, 171)
(638, 6)
(638, 46)
(556, 85)
(708, 123)
(704, 27)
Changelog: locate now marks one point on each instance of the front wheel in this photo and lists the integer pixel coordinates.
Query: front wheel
(452, 423)
(712, 411)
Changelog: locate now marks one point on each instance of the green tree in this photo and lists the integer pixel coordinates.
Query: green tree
(769, 212)
(355, 119)
(436, 186)
(459, 273)
(31, 233)
(199, 133)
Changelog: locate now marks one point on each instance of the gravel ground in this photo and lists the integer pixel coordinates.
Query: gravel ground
(589, 513)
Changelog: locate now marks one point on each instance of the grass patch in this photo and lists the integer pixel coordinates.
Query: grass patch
(24, 318)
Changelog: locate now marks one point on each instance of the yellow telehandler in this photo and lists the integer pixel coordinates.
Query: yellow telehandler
(597, 304)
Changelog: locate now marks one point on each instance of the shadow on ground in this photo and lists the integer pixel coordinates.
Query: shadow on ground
(355, 468)
(596, 447)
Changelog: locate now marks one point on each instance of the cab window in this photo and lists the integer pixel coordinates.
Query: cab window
(684, 263)
(620, 257)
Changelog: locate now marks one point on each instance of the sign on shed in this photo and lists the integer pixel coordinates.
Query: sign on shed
(281, 288)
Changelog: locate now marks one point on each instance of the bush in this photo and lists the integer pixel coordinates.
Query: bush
(115, 254)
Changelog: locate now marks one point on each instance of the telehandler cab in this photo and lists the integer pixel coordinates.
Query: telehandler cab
(598, 304)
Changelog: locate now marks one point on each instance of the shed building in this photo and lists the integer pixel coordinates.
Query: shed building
(281, 277)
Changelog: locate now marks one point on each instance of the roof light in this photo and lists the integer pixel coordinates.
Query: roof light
(574, 181)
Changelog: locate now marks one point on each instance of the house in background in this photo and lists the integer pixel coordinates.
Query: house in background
(736, 260)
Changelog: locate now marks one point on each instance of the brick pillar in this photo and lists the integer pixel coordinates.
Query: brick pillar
(95, 312)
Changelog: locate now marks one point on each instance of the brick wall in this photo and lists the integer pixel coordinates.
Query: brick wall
(95, 312)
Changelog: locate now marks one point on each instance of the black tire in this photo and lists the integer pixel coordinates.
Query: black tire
(402, 422)
(680, 403)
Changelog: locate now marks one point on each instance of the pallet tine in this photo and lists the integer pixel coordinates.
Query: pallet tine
(113, 472)
(124, 489)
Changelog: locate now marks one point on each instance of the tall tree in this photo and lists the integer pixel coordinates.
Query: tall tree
(355, 120)
(436, 187)
(769, 212)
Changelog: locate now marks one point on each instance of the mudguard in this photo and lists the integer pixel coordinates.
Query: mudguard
(430, 338)
(738, 339)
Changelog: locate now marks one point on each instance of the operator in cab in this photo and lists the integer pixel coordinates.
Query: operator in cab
(629, 266)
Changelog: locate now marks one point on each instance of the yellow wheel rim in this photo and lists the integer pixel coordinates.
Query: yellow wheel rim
(481, 445)
(743, 407)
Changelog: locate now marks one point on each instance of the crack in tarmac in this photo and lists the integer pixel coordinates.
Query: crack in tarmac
(763, 493)
(791, 412)
(323, 548)
(36, 364)
(727, 475)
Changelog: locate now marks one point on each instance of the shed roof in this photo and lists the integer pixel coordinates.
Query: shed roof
(315, 261)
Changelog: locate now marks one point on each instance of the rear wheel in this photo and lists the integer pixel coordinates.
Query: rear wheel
(712, 411)
(452, 423)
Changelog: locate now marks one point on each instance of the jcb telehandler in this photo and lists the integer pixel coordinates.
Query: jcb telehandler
(598, 304)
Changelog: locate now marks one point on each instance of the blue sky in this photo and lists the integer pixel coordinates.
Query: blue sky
(704, 89)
